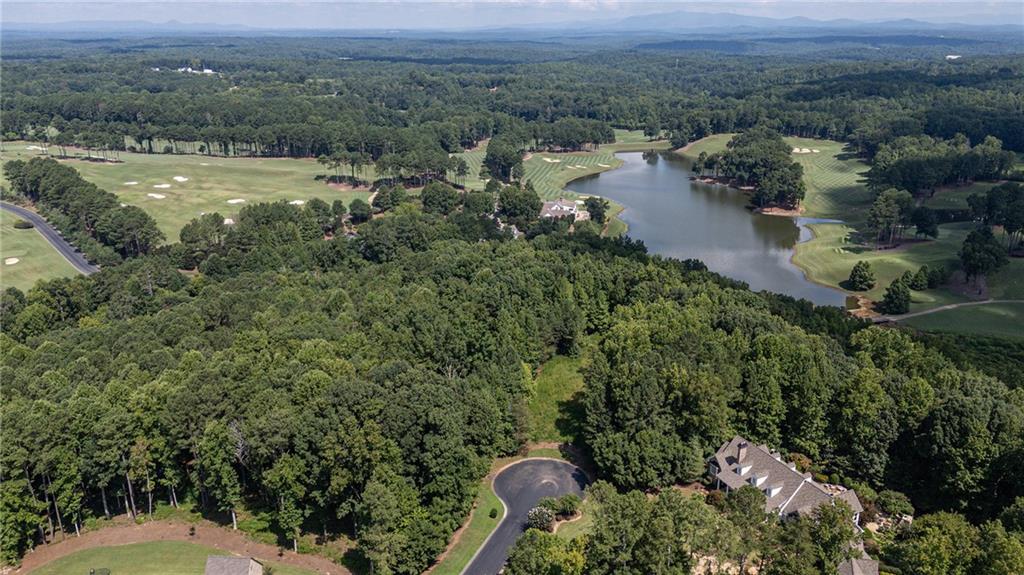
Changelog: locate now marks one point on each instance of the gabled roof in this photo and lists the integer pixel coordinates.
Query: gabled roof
(787, 491)
(858, 567)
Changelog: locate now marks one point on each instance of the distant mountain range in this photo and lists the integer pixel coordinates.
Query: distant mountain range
(667, 22)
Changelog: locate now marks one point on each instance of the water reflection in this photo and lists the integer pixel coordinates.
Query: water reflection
(677, 217)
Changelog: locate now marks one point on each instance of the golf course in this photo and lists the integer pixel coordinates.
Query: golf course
(25, 256)
(836, 190)
(174, 188)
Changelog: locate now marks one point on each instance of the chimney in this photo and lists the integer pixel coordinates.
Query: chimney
(741, 451)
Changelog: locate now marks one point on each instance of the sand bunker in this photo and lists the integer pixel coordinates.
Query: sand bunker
(11, 261)
(604, 165)
(297, 202)
(801, 151)
(157, 196)
(180, 179)
(124, 205)
(203, 164)
(162, 186)
(131, 183)
(236, 201)
(815, 151)
(570, 167)
(581, 166)
(229, 222)
(551, 161)
(32, 148)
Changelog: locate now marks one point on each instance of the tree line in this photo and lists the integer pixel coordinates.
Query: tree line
(91, 218)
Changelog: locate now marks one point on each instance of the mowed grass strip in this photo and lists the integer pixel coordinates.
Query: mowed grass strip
(153, 558)
(36, 258)
(996, 319)
(481, 524)
(211, 182)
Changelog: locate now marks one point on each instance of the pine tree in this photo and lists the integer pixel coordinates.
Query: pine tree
(861, 277)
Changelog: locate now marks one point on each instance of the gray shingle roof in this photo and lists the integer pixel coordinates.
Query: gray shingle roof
(228, 565)
(858, 567)
(786, 490)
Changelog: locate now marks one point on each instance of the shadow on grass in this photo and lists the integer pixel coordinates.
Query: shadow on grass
(569, 421)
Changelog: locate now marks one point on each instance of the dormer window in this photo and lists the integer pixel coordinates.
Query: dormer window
(773, 491)
(743, 469)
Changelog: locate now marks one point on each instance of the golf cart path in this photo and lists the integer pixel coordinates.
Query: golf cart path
(74, 257)
(520, 486)
(901, 317)
(206, 533)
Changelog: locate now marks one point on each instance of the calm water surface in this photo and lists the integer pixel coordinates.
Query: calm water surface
(683, 219)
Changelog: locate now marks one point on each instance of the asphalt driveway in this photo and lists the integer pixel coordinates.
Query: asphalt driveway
(520, 486)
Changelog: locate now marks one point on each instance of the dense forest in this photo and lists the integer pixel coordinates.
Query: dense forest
(353, 370)
(360, 386)
(315, 96)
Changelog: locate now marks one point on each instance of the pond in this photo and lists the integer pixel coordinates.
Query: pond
(677, 217)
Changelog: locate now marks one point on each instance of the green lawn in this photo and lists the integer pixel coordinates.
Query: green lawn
(36, 258)
(955, 197)
(212, 181)
(154, 558)
(634, 141)
(553, 414)
(833, 176)
(998, 319)
(581, 526)
(480, 526)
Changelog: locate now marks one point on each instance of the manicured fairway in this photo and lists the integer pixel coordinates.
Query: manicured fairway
(833, 175)
(154, 558)
(211, 182)
(36, 258)
(551, 172)
(955, 197)
(634, 141)
(550, 408)
(998, 319)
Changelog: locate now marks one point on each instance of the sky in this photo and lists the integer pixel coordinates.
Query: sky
(427, 14)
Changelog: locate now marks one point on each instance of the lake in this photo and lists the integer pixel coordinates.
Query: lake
(680, 218)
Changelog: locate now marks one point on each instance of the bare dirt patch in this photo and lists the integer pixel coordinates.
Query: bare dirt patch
(125, 532)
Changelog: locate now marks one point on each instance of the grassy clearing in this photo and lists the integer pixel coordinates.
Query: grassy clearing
(153, 558)
(634, 141)
(212, 181)
(551, 409)
(581, 526)
(37, 259)
(473, 536)
(1001, 320)
(955, 197)
(831, 255)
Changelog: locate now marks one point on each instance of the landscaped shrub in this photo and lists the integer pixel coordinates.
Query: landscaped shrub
(493, 513)
(540, 518)
(23, 225)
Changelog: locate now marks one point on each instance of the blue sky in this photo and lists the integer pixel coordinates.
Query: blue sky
(412, 14)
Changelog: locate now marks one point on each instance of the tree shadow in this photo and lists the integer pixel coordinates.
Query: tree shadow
(569, 421)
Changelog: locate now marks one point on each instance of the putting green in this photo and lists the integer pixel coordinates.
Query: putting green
(36, 258)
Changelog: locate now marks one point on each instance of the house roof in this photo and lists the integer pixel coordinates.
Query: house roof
(557, 208)
(787, 490)
(858, 567)
(228, 565)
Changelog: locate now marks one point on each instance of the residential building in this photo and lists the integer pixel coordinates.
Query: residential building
(229, 565)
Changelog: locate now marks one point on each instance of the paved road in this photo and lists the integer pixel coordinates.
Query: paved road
(886, 318)
(73, 256)
(520, 486)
